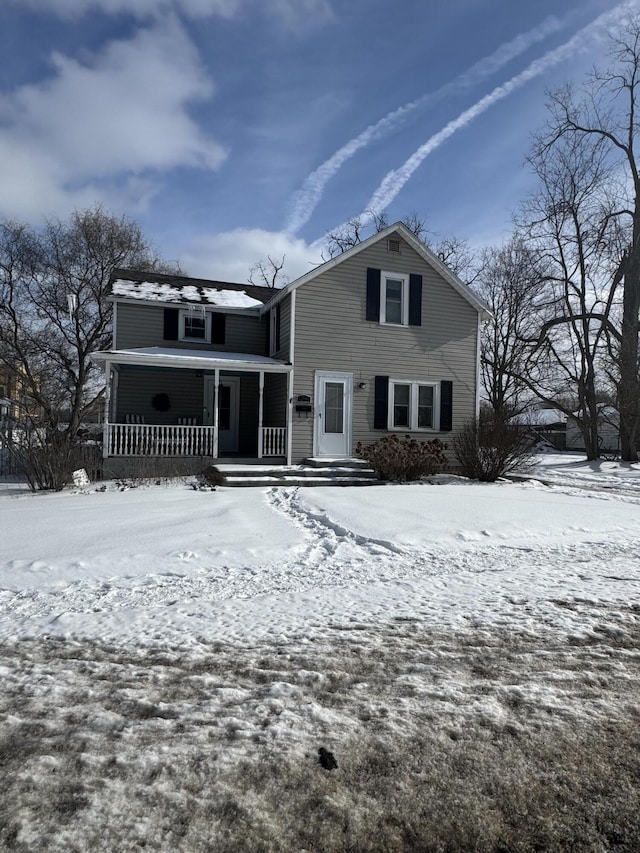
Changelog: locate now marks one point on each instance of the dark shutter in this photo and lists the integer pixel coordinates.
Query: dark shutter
(278, 312)
(373, 294)
(415, 300)
(446, 406)
(218, 328)
(171, 316)
(381, 403)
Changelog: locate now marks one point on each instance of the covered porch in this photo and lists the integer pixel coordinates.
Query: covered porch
(163, 402)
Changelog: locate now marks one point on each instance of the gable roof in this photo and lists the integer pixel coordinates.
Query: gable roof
(183, 290)
(427, 255)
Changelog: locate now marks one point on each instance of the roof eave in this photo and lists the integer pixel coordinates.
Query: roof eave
(185, 362)
(251, 310)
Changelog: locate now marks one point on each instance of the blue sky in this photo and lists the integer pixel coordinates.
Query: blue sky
(230, 129)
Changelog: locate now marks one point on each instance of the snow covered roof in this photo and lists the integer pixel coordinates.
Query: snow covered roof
(160, 287)
(191, 359)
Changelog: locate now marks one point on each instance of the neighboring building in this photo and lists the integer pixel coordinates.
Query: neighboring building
(17, 400)
(383, 338)
(608, 431)
(547, 425)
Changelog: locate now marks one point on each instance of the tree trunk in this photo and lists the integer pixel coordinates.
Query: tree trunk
(628, 385)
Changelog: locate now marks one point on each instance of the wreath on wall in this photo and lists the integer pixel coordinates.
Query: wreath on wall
(161, 402)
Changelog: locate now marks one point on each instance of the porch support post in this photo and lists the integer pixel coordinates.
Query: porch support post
(289, 414)
(107, 408)
(260, 411)
(216, 391)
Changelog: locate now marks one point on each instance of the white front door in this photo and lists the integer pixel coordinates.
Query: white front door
(333, 404)
(228, 411)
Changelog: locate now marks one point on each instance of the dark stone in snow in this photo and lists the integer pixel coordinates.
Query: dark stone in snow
(327, 759)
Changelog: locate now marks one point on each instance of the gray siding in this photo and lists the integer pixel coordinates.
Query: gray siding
(137, 387)
(143, 326)
(331, 333)
(275, 400)
(285, 329)
(248, 437)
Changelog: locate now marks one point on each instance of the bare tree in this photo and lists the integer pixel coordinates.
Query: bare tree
(508, 280)
(572, 231)
(452, 251)
(54, 313)
(605, 115)
(268, 273)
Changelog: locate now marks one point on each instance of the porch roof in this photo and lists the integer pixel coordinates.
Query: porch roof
(192, 359)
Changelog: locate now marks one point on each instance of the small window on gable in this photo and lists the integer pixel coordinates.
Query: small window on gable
(195, 325)
(394, 299)
(412, 405)
(393, 245)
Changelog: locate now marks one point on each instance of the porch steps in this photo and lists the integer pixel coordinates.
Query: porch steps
(312, 473)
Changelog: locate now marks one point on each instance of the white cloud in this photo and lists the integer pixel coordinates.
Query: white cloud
(306, 199)
(138, 8)
(123, 113)
(301, 15)
(228, 256)
(295, 15)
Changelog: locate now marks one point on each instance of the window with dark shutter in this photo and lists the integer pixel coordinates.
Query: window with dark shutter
(446, 406)
(171, 319)
(218, 328)
(373, 294)
(278, 313)
(381, 402)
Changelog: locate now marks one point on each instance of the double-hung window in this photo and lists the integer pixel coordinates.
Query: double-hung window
(394, 299)
(413, 405)
(195, 325)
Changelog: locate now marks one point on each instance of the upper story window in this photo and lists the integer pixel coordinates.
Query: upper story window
(195, 326)
(394, 299)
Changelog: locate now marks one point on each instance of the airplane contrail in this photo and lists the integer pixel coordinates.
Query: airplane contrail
(307, 197)
(395, 180)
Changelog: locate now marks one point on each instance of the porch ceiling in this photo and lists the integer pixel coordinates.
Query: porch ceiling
(192, 359)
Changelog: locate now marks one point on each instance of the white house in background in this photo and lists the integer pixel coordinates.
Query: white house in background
(550, 425)
(608, 431)
(381, 339)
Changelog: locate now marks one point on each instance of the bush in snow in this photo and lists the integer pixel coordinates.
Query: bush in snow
(403, 459)
(489, 447)
(213, 476)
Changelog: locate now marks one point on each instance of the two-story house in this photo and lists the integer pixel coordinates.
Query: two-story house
(383, 338)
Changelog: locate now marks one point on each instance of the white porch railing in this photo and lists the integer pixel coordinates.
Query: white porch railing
(274, 441)
(159, 440)
(179, 440)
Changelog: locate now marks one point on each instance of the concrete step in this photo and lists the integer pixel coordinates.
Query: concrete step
(297, 475)
(352, 462)
(241, 482)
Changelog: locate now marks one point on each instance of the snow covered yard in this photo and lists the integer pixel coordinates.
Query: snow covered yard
(172, 660)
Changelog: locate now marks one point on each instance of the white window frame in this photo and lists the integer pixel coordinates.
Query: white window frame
(273, 328)
(396, 276)
(414, 385)
(190, 312)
